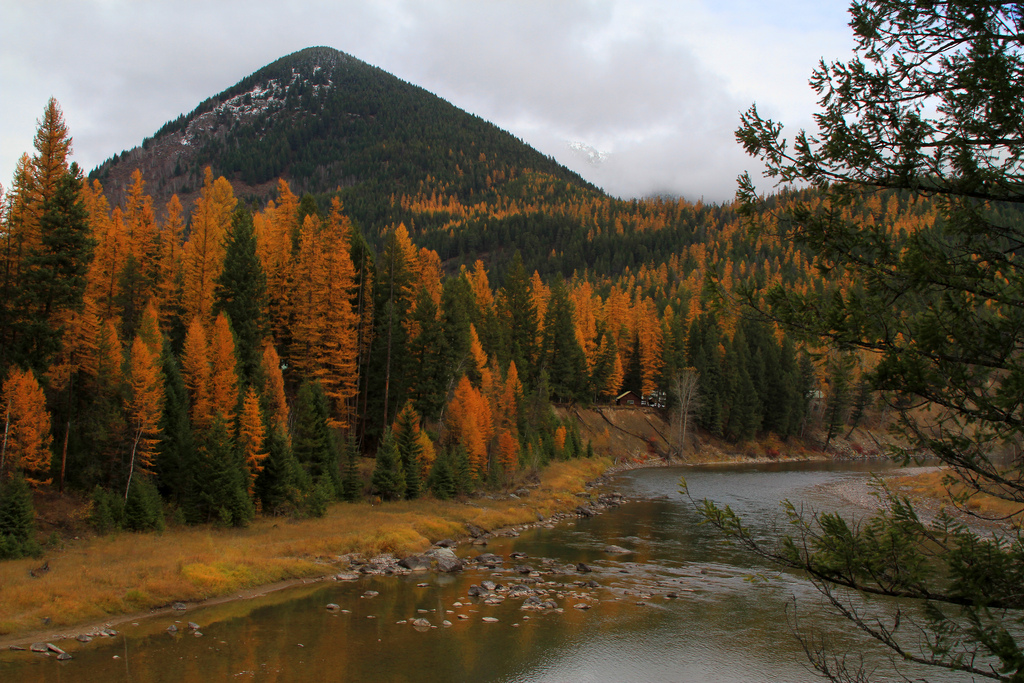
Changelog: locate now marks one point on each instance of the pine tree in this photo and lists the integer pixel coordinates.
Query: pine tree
(442, 478)
(175, 451)
(406, 433)
(17, 519)
(277, 483)
(519, 315)
(388, 479)
(241, 293)
(351, 482)
(218, 491)
(563, 358)
(312, 441)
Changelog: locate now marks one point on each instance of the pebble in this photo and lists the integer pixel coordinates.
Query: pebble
(333, 607)
(490, 620)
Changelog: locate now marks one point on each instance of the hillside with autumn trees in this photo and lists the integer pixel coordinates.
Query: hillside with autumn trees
(224, 356)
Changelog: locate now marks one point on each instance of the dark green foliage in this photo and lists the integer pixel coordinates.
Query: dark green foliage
(312, 441)
(351, 482)
(442, 479)
(390, 369)
(928, 106)
(388, 480)
(318, 497)
(218, 491)
(563, 358)
(175, 451)
(430, 369)
(518, 315)
(17, 520)
(277, 485)
(409, 451)
(143, 510)
(52, 280)
(241, 293)
(107, 510)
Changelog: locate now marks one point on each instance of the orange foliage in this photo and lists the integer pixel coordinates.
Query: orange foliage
(195, 370)
(223, 370)
(508, 451)
(27, 437)
(560, 438)
(468, 421)
(251, 435)
(204, 252)
(145, 403)
(275, 388)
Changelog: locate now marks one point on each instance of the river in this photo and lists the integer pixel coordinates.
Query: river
(722, 625)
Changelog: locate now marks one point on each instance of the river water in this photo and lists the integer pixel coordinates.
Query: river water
(724, 624)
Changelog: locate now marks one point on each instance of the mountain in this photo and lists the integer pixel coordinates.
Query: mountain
(324, 120)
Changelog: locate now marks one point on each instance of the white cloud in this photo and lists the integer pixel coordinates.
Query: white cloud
(656, 84)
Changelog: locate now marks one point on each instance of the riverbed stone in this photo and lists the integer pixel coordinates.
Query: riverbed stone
(63, 657)
(172, 629)
(83, 638)
(179, 606)
(421, 623)
(331, 607)
(446, 543)
(416, 563)
(489, 620)
(489, 559)
(346, 576)
(38, 647)
(445, 559)
(616, 550)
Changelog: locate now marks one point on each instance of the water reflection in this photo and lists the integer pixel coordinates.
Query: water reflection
(720, 625)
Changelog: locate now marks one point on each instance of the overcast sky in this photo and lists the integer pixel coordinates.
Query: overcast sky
(638, 96)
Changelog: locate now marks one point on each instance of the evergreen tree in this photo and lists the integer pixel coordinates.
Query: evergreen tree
(175, 451)
(442, 479)
(143, 508)
(388, 480)
(351, 482)
(54, 280)
(241, 293)
(312, 441)
(928, 105)
(633, 379)
(17, 520)
(406, 435)
(563, 358)
(219, 482)
(519, 317)
(277, 484)
(430, 373)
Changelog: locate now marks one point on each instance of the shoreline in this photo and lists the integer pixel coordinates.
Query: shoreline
(268, 556)
(331, 567)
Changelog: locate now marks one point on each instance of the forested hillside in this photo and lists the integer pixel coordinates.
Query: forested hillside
(224, 356)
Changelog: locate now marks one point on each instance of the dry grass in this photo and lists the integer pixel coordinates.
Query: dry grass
(936, 485)
(101, 578)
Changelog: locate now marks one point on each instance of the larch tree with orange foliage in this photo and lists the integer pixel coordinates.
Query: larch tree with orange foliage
(195, 370)
(27, 437)
(223, 370)
(252, 436)
(278, 403)
(204, 252)
(145, 407)
(468, 419)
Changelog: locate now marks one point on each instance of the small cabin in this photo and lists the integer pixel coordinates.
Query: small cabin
(629, 398)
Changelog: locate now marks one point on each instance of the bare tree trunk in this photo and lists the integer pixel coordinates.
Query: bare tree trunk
(685, 387)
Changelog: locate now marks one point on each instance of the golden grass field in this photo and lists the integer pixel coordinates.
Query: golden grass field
(936, 485)
(105, 577)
